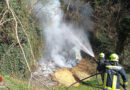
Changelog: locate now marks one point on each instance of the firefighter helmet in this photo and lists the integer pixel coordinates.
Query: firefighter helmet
(101, 55)
(114, 57)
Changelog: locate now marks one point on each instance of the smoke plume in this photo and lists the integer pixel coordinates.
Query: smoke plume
(60, 38)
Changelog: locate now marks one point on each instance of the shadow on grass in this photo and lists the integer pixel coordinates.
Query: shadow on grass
(95, 85)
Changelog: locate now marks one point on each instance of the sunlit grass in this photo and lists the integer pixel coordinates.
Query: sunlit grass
(92, 84)
(15, 84)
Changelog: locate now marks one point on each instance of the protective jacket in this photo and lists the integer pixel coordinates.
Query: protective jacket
(111, 78)
(100, 67)
(101, 63)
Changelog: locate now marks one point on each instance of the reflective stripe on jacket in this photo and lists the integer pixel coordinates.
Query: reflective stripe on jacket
(111, 78)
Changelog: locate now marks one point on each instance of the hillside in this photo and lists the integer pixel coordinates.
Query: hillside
(39, 38)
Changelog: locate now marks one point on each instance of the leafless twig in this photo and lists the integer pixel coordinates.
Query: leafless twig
(1, 23)
(16, 32)
(68, 5)
(27, 39)
(3, 16)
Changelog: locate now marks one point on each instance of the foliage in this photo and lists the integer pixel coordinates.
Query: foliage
(111, 31)
(112, 19)
(11, 58)
(112, 25)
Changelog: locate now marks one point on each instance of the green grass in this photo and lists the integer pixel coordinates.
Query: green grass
(10, 83)
(93, 84)
(15, 84)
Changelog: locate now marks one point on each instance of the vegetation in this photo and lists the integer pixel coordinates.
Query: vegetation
(110, 33)
(15, 84)
(93, 84)
(12, 61)
(10, 83)
(112, 20)
(111, 30)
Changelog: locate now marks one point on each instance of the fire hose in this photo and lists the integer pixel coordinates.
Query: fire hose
(87, 78)
(82, 80)
(123, 87)
(95, 59)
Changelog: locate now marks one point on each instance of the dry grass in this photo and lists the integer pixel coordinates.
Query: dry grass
(65, 77)
(84, 69)
(68, 76)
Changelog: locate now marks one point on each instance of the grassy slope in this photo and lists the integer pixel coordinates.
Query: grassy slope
(14, 84)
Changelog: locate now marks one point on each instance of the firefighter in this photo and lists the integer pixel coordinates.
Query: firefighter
(101, 61)
(101, 65)
(112, 71)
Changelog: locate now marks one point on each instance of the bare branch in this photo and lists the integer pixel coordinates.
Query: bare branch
(68, 5)
(3, 16)
(17, 37)
(29, 82)
(6, 21)
(16, 32)
(1, 12)
(27, 39)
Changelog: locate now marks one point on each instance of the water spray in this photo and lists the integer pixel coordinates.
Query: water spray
(90, 52)
(60, 37)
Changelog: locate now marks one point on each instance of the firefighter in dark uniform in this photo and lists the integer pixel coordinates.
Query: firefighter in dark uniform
(101, 65)
(112, 71)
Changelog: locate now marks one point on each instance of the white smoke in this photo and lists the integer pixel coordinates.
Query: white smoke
(60, 38)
